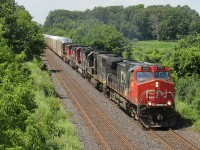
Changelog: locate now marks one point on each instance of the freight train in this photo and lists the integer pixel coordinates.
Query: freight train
(145, 90)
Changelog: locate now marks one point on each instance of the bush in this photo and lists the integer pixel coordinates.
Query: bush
(197, 124)
(187, 111)
(49, 126)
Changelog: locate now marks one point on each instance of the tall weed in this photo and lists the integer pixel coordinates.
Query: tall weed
(50, 124)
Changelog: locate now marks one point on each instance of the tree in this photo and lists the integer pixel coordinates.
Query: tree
(27, 37)
(155, 18)
(31, 115)
(135, 22)
(98, 35)
(187, 56)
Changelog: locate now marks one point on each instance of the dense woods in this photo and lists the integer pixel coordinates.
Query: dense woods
(135, 22)
(31, 117)
(120, 30)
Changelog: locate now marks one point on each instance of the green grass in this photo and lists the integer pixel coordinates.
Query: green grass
(153, 44)
(49, 120)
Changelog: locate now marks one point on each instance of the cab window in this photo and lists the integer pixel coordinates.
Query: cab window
(144, 76)
(131, 75)
(162, 74)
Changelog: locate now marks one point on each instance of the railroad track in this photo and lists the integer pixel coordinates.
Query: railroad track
(108, 136)
(172, 140)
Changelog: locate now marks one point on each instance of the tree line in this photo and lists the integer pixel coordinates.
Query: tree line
(135, 22)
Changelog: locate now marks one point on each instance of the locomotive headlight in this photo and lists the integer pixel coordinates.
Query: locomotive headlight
(149, 103)
(157, 84)
(169, 103)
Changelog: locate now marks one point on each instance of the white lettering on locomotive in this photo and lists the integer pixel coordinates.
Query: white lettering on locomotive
(156, 93)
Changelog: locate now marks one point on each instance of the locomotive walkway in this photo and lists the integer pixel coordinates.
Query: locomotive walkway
(108, 136)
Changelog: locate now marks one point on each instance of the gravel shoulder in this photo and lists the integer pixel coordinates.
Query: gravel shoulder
(84, 132)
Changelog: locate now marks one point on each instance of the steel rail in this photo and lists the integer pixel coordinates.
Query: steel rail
(161, 139)
(99, 111)
(175, 135)
(183, 139)
(97, 133)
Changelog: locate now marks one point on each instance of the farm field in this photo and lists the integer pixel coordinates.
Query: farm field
(153, 44)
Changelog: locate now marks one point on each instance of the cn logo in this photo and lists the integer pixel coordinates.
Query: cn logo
(156, 93)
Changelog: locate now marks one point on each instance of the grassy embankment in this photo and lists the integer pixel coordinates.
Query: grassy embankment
(50, 117)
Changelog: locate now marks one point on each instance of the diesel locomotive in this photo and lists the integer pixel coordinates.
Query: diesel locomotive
(145, 90)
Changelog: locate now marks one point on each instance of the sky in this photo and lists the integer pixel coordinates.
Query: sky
(39, 9)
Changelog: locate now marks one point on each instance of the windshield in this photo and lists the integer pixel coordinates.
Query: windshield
(163, 74)
(144, 76)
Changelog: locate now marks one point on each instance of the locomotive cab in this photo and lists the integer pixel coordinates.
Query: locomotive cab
(152, 91)
(81, 59)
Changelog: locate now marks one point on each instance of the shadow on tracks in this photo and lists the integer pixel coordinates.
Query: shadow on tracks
(55, 71)
(182, 123)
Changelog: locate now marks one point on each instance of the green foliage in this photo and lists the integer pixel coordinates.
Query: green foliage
(187, 61)
(187, 111)
(187, 57)
(98, 35)
(187, 87)
(153, 44)
(197, 124)
(48, 127)
(93, 33)
(22, 35)
(105, 27)
(16, 97)
(17, 103)
(61, 19)
(31, 115)
(154, 52)
(29, 35)
(144, 23)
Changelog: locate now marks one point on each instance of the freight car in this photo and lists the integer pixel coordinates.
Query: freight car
(143, 89)
(57, 44)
